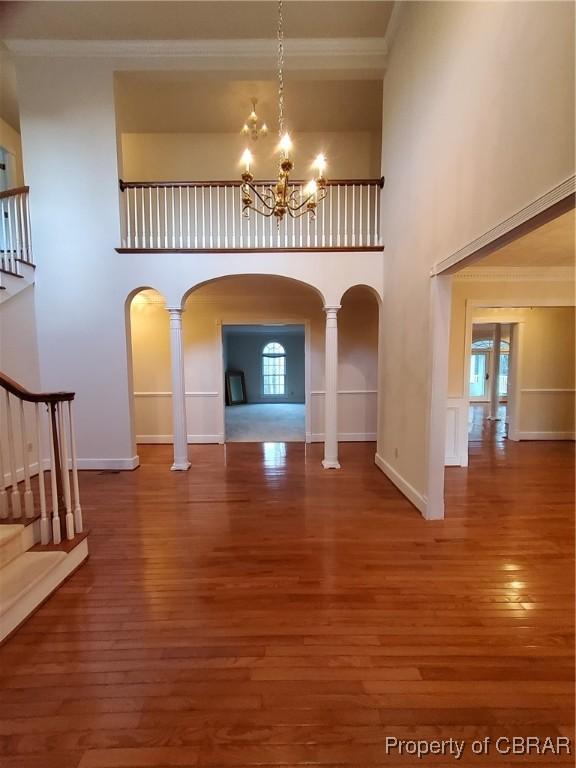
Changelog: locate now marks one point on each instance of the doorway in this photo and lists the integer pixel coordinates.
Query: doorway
(265, 382)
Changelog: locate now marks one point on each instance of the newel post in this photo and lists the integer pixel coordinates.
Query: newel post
(180, 429)
(331, 387)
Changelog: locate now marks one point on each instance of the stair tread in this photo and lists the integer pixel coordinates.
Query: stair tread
(9, 532)
(22, 573)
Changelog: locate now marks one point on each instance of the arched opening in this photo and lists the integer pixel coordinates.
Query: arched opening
(234, 329)
(358, 338)
(149, 368)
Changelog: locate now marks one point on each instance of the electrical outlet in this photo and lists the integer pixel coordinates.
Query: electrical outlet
(395, 453)
(29, 447)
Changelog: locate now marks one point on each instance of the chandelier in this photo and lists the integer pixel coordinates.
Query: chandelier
(250, 127)
(278, 199)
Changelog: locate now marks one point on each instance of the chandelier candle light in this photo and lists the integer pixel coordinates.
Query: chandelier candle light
(250, 127)
(279, 200)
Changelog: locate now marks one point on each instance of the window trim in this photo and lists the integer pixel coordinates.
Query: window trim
(264, 354)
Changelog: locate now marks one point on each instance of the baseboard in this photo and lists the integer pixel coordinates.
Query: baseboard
(413, 496)
(545, 436)
(344, 437)
(131, 463)
(168, 439)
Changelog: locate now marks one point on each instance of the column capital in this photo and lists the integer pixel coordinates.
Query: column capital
(179, 310)
(332, 309)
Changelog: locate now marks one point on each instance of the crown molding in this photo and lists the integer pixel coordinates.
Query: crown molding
(562, 194)
(515, 275)
(326, 53)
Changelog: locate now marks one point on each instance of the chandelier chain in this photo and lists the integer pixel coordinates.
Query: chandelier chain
(280, 69)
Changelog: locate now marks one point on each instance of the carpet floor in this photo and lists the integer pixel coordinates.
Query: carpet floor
(267, 422)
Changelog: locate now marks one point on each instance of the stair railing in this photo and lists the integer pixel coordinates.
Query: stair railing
(30, 423)
(15, 238)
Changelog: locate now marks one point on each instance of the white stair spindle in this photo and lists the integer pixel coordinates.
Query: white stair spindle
(353, 215)
(44, 520)
(28, 229)
(338, 219)
(11, 262)
(3, 209)
(65, 472)
(129, 243)
(330, 203)
(77, 508)
(151, 218)
(28, 496)
(376, 235)
(233, 212)
(173, 216)
(210, 229)
(158, 227)
(15, 494)
(56, 534)
(180, 220)
(218, 219)
(4, 511)
(188, 217)
(203, 194)
(166, 218)
(368, 190)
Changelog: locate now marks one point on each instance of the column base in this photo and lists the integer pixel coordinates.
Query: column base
(180, 466)
(331, 464)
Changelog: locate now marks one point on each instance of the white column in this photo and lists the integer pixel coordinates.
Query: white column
(331, 387)
(178, 391)
(495, 372)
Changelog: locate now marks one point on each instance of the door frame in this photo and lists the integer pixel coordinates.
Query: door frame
(221, 323)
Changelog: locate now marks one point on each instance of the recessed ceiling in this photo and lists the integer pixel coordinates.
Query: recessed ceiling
(551, 245)
(171, 102)
(166, 20)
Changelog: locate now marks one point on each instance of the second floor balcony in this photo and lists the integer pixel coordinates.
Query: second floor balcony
(200, 216)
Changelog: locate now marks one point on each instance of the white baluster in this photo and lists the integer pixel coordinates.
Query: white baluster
(64, 463)
(361, 195)
(181, 220)
(143, 206)
(233, 217)
(78, 526)
(188, 217)
(4, 511)
(3, 210)
(29, 230)
(173, 216)
(323, 241)
(158, 227)
(129, 243)
(330, 201)
(210, 228)
(11, 262)
(151, 218)
(377, 193)
(218, 219)
(203, 193)
(345, 215)
(44, 520)
(368, 190)
(166, 218)
(196, 224)
(22, 227)
(338, 219)
(15, 495)
(353, 215)
(28, 496)
(56, 533)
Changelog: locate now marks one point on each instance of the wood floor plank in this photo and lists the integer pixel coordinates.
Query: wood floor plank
(260, 611)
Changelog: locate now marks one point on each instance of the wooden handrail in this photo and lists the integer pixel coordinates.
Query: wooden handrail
(238, 182)
(14, 192)
(33, 397)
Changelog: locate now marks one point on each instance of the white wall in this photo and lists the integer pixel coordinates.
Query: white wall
(216, 156)
(10, 141)
(245, 301)
(19, 361)
(69, 141)
(477, 123)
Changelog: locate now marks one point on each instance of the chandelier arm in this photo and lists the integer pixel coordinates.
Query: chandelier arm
(269, 205)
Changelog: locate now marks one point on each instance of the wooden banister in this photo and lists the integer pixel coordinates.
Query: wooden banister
(33, 397)
(25, 427)
(14, 192)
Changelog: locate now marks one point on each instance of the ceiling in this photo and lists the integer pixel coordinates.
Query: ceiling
(193, 20)
(157, 102)
(551, 245)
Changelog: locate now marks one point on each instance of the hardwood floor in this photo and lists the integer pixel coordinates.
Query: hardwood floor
(259, 610)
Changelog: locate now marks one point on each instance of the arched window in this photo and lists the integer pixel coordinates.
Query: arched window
(274, 369)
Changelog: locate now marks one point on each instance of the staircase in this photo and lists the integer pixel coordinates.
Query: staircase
(42, 538)
(16, 262)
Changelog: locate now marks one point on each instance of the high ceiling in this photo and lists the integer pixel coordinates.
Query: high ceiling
(193, 20)
(150, 102)
(551, 245)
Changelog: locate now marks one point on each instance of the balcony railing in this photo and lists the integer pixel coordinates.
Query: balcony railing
(15, 240)
(207, 215)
